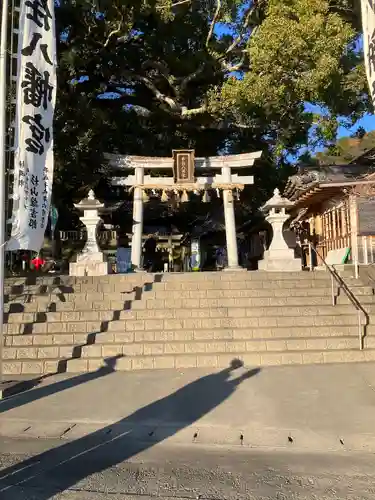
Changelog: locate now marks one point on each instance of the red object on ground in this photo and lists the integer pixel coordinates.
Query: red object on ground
(37, 263)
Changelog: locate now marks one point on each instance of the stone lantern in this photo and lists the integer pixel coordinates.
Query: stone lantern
(279, 257)
(91, 261)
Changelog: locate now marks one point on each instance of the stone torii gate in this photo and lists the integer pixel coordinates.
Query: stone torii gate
(183, 165)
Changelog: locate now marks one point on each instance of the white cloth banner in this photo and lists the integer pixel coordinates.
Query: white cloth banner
(368, 24)
(36, 95)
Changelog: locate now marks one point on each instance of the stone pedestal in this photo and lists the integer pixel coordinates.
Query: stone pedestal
(284, 262)
(279, 257)
(95, 265)
(91, 261)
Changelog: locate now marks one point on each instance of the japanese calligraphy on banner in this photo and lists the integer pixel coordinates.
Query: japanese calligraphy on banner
(36, 94)
(368, 23)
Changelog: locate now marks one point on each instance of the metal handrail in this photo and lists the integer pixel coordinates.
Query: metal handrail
(352, 298)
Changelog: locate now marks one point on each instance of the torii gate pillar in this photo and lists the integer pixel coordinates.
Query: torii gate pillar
(230, 223)
(137, 229)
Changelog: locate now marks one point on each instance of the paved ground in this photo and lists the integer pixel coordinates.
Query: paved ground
(318, 407)
(298, 432)
(189, 472)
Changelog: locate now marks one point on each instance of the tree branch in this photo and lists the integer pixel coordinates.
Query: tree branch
(245, 25)
(156, 65)
(189, 113)
(222, 125)
(117, 30)
(236, 42)
(181, 2)
(185, 82)
(170, 105)
(162, 68)
(214, 21)
(173, 105)
(112, 34)
(236, 67)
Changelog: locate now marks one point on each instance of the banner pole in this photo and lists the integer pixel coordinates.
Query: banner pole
(3, 114)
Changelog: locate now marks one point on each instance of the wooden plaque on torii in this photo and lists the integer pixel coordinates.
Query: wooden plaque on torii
(184, 166)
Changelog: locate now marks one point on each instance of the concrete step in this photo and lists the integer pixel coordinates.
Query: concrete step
(257, 307)
(118, 301)
(119, 286)
(189, 308)
(247, 285)
(180, 361)
(142, 276)
(49, 280)
(182, 347)
(180, 286)
(70, 297)
(250, 293)
(182, 320)
(62, 339)
(105, 302)
(150, 303)
(181, 323)
(158, 289)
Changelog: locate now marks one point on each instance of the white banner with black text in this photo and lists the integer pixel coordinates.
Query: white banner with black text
(368, 24)
(36, 95)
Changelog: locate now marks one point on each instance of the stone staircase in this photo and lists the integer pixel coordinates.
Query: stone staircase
(142, 321)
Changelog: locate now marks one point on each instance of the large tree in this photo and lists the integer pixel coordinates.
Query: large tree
(215, 75)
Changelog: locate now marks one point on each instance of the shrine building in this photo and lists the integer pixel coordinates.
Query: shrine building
(334, 209)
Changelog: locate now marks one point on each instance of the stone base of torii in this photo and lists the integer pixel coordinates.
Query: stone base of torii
(225, 181)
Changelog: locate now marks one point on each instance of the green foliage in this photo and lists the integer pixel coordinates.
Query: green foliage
(302, 52)
(180, 81)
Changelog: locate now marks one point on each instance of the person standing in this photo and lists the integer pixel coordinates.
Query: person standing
(221, 258)
(149, 253)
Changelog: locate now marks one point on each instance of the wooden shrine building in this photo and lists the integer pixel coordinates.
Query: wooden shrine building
(334, 209)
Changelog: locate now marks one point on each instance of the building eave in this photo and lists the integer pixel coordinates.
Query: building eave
(320, 192)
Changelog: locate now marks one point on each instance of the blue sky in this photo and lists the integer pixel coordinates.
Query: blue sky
(367, 122)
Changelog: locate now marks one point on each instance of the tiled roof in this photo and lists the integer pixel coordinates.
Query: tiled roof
(309, 177)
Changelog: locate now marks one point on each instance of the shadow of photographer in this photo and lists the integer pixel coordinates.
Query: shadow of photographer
(76, 460)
